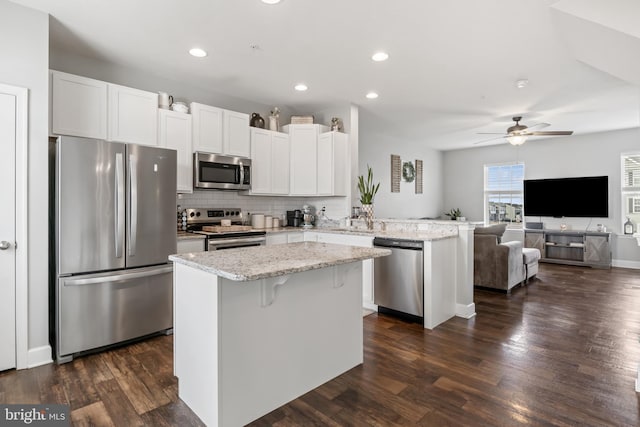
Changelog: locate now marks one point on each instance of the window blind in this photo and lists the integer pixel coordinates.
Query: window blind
(631, 172)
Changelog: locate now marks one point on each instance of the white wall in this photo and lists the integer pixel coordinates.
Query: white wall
(24, 49)
(375, 150)
(573, 156)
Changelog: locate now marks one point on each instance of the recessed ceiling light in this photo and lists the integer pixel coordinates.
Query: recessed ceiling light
(271, 1)
(372, 95)
(380, 56)
(197, 52)
(522, 83)
(301, 87)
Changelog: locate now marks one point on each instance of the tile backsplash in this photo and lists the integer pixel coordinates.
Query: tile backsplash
(336, 207)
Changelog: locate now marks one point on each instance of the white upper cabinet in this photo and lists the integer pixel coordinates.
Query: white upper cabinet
(175, 133)
(280, 163)
(269, 162)
(207, 128)
(333, 159)
(78, 106)
(133, 115)
(220, 131)
(235, 134)
(95, 109)
(304, 158)
(260, 161)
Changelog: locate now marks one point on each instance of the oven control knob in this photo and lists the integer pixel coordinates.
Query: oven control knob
(236, 213)
(192, 214)
(197, 213)
(226, 213)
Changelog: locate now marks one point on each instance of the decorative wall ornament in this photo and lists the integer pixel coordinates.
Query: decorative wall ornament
(418, 176)
(408, 172)
(396, 166)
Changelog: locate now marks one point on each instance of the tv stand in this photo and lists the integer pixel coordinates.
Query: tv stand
(584, 248)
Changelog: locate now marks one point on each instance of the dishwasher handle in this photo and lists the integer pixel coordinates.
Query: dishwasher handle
(416, 245)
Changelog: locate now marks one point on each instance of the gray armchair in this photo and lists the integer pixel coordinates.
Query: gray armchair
(497, 265)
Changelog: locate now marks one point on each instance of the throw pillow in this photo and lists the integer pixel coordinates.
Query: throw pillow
(497, 230)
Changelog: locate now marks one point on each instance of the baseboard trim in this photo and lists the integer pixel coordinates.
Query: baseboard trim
(623, 263)
(39, 356)
(370, 306)
(466, 311)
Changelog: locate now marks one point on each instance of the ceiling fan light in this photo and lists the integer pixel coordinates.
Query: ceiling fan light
(516, 139)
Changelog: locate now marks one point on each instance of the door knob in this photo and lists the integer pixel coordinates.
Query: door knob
(4, 245)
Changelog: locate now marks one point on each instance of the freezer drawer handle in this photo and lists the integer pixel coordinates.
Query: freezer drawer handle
(119, 277)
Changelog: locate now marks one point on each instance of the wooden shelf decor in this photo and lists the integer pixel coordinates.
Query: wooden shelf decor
(418, 176)
(396, 173)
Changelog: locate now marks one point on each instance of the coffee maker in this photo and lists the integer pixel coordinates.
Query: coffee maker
(294, 218)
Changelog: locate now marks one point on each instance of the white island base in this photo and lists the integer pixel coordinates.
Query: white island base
(243, 349)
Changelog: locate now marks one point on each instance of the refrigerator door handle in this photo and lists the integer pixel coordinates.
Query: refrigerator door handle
(118, 277)
(133, 203)
(119, 205)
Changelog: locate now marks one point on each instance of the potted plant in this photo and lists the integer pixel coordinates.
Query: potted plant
(454, 214)
(368, 191)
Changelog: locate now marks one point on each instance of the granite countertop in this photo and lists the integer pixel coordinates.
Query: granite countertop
(183, 235)
(259, 262)
(393, 234)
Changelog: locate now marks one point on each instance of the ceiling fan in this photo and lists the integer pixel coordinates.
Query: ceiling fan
(518, 134)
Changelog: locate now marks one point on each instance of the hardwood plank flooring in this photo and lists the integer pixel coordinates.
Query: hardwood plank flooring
(562, 351)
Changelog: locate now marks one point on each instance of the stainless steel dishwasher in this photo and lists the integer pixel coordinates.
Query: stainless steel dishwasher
(399, 277)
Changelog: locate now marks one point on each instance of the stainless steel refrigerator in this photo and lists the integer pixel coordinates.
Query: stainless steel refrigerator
(114, 222)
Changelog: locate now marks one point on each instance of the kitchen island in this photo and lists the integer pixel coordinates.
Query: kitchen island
(255, 328)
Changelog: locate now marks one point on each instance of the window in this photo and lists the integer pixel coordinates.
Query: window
(630, 167)
(503, 193)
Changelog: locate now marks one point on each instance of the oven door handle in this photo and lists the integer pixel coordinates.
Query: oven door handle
(224, 242)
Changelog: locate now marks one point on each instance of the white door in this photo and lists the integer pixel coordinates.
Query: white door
(8, 122)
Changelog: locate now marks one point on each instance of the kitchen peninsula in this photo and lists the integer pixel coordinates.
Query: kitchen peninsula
(257, 327)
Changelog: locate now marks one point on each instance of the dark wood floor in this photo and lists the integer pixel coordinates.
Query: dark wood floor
(563, 351)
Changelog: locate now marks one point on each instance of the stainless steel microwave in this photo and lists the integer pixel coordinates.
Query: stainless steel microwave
(214, 171)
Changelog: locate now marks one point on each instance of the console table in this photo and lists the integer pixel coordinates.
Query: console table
(586, 248)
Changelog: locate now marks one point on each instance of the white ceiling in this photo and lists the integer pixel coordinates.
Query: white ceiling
(451, 72)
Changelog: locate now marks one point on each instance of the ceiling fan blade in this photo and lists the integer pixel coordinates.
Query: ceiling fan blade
(538, 126)
(487, 140)
(550, 132)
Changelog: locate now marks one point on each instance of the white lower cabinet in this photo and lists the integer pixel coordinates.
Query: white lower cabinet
(367, 265)
(285, 237)
(175, 133)
(190, 245)
(295, 236)
(276, 239)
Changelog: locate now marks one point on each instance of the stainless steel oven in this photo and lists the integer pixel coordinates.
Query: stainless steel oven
(213, 171)
(207, 221)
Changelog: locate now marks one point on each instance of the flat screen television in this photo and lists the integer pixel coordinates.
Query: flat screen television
(567, 197)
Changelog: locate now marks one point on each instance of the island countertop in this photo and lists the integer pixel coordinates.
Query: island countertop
(259, 262)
